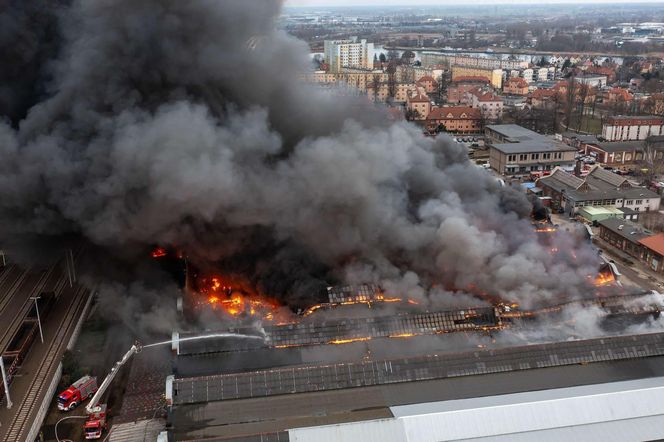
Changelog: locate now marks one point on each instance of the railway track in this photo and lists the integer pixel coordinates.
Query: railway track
(12, 277)
(42, 281)
(30, 403)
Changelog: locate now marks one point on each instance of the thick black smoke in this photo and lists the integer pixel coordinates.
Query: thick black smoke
(185, 122)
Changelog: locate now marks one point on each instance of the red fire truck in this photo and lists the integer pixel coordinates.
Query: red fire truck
(77, 393)
(96, 422)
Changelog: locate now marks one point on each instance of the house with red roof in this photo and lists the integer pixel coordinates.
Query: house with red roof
(653, 248)
(457, 89)
(619, 95)
(429, 84)
(419, 106)
(456, 119)
(515, 86)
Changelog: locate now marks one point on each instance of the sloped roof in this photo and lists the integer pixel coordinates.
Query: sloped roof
(454, 112)
(518, 81)
(419, 98)
(654, 243)
(566, 178)
(607, 176)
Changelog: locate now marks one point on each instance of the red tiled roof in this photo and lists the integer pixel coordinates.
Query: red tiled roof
(654, 243)
(419, 98)
(518, 81)
(543, 93)
(489, 97)
(454, 113)
(646, 120)
(624, 93)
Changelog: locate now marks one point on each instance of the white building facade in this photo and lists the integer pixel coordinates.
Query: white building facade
(348, 54)
(632, 128)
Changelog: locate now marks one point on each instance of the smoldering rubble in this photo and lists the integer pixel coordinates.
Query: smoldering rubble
(186, 123)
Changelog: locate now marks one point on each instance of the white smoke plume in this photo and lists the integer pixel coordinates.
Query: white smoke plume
(186, 123)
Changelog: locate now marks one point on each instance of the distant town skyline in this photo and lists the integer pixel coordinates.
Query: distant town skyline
(324, 3)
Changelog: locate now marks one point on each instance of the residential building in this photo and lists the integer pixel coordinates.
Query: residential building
(632, 128)
(514, 101)
(456, 119)
(515, 150)
(657, 101)
(348, 53)
(357, 78)
(527, 75)
(429, 84)
(419, 106)
(489, 103)
(541, 74)
(618, 95)
(457, 89)
(623, 235)
(596, 81)
(515, 86)
(608, 72)
(401, 92)
(495, 76)
(430, 59)
(544, 99)
(653, 251)
(600, 188)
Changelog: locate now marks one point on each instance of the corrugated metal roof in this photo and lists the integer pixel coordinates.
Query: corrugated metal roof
(144, 430)
(619, 411)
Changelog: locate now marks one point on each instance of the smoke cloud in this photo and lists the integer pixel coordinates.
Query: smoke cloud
(186, 123)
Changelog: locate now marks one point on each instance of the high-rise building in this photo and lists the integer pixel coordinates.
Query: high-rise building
(348, 54)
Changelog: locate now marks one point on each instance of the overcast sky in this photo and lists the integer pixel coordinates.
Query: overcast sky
(445, 2)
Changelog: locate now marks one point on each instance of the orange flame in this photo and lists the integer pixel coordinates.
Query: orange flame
(222, 296)
(604, 278)
(349, 340)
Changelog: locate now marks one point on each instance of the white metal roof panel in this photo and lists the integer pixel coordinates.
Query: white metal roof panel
(631, 410)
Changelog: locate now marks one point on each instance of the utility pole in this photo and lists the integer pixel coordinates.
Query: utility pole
(70, 270)
(5, 383)
(73, 265)
(41, 334)
(4, 261)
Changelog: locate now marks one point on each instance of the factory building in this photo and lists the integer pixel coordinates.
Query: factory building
(630, 410)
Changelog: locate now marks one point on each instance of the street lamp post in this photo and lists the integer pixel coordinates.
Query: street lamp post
(5, 383)
(41, 333)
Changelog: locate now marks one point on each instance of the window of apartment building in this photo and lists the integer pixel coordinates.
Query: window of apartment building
(511, 158)
(535, 156)
(523, 157)
(558, 155)
(639, 202)
(629, 202)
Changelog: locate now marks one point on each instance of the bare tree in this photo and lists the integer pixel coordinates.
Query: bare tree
(569, 100)
(377, 81)
(653, 160)
(391, 79)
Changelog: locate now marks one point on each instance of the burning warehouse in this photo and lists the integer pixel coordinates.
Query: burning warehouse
(272, 191)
